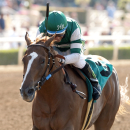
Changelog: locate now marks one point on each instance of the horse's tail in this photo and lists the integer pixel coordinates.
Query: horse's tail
(125, 100)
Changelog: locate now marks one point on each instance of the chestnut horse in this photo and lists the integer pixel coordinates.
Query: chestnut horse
(55, 106)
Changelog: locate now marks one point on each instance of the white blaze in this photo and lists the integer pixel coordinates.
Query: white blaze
(33, 56)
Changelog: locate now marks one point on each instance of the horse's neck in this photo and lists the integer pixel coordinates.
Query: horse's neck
(49, 98)
(52, 89)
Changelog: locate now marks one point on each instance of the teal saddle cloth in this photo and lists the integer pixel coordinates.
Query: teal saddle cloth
(102, 70)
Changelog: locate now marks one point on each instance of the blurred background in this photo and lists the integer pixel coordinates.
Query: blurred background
(104, 24)
(105, 27)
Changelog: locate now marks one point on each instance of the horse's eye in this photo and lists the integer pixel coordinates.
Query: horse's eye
(42, 62)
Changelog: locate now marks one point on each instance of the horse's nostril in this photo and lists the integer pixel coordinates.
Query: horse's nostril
(30, 91)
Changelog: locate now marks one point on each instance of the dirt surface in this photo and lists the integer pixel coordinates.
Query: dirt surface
(15, 114)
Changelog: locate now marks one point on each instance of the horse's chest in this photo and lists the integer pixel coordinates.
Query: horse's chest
(48, 121)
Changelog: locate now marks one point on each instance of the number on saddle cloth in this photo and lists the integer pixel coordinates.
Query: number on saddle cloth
(102, 69)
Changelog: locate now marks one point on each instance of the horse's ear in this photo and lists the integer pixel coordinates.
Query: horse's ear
(28, 40)
(48, 42)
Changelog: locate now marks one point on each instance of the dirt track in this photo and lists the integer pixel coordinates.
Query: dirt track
(15, 114)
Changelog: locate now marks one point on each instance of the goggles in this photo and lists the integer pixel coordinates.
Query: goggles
(57, 35)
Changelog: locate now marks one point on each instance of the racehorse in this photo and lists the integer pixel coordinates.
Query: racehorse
(55, 106)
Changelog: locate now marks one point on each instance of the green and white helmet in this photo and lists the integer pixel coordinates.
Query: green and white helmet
(57, 22)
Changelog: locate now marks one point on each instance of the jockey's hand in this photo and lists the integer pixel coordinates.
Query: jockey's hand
(61, 60)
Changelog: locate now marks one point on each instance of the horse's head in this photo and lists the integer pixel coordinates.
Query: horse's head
(35, 63)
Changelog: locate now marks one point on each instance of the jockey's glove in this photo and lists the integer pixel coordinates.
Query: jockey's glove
(61, 60)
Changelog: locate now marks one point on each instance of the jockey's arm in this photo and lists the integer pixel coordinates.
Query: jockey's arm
(74, 56)
(75, 48)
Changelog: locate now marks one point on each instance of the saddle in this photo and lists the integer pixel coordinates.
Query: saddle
(103, 71)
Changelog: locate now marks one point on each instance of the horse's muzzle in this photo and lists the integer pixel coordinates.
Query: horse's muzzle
(27, 94)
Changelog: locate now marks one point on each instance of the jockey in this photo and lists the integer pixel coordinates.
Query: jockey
(68, 43)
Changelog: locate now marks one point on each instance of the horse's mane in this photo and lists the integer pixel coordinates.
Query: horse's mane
(43, 39)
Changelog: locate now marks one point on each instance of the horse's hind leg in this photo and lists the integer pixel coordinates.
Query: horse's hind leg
(107, 116)
(105, 120)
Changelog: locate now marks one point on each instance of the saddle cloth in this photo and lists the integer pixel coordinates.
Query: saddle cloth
(102, 70)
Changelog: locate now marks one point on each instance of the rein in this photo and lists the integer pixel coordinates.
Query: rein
(45, 78)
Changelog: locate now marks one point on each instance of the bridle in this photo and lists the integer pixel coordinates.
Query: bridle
(44, 77)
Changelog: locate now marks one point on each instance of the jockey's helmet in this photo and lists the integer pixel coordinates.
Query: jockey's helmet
(57, 22)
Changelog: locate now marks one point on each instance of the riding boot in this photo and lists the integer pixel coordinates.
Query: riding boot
(94, 81)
